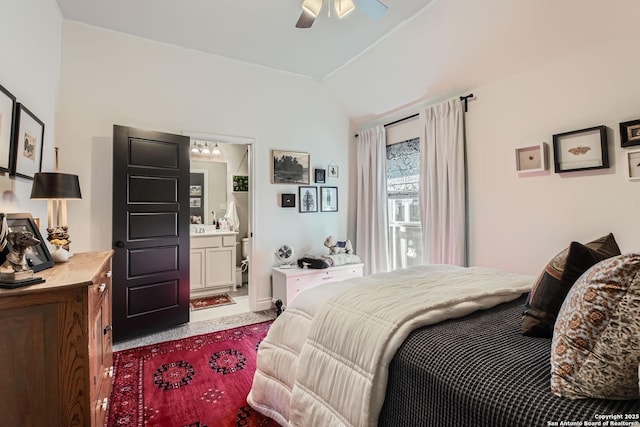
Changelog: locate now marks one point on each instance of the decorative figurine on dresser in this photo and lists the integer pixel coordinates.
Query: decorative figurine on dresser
(14, 271)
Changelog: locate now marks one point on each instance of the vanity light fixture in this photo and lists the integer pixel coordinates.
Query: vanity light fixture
(216, 151)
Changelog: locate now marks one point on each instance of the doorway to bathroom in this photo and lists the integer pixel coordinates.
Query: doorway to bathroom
(226, 204)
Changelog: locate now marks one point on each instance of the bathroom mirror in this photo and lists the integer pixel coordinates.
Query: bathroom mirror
(207, 191)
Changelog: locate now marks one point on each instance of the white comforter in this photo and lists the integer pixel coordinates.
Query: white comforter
(324, 361)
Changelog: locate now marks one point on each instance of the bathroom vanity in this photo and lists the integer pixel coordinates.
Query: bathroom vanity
(212, 261)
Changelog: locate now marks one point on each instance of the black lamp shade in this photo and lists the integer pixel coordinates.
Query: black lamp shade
(54, 185)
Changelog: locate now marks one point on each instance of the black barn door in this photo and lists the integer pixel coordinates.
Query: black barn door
(150, 231)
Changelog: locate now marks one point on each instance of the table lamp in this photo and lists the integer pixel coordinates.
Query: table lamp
(56, 188)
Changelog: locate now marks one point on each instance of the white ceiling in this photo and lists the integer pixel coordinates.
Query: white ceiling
(260, 32)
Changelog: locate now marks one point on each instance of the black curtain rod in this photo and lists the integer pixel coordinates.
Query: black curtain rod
(395, 122)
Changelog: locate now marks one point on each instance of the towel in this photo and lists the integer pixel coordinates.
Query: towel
(233, 221)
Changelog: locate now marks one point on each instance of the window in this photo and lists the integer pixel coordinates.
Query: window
(405, 230)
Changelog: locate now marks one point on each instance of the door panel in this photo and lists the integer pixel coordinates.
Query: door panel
(150, 231)
(150, 225)
(145, 300)
(152, 261)
(153, 189)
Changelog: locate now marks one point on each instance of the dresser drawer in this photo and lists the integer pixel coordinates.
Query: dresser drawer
(288, 283)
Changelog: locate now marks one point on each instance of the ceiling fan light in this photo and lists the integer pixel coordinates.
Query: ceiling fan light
(343, 7)
(312, 7)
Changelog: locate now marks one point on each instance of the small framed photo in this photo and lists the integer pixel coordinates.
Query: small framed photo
(7, 124)
(27, 143)
(240, 183)
(288, 200)
(308, 199)
(38, 257)
(195, 202)
(319, 176)
(633, 165)
(195, 190)
(532, 158)
(329, 199)
(290, 167)
(582, 149)
(630, 133)
(332, 171)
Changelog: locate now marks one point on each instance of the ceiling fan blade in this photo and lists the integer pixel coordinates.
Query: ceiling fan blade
(305, 20)
(374, 9)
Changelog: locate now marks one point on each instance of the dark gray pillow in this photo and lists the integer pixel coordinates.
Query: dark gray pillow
(553, 285)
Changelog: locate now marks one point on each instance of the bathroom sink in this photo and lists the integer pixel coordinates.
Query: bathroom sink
(208, 230)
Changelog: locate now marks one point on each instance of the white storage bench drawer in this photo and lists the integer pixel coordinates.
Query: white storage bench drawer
(289, 282)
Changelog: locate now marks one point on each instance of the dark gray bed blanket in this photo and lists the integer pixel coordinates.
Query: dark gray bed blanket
(480, 371)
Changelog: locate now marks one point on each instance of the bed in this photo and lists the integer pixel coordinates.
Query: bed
(440, 347)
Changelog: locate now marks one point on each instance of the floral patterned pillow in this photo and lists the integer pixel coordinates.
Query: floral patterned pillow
(595, 350)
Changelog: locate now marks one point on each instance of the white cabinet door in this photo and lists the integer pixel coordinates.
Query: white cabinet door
(220, 267)
(197, 269)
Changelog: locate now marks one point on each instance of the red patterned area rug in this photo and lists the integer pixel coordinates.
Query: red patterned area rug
(211, 301)
(200, 381)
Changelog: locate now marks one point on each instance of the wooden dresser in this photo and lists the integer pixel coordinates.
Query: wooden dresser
(55, 346)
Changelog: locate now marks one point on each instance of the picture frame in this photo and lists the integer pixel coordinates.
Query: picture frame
(38, 257)
(332, 171)
(288, 200)
(7, 126)
(633, 165)
(290, 167)
(240, 183)
(630, 133)
(580, 150)
(27, 143)
(328, 199)
(319, 175)
(308, 198)
(532, 158)
(195, 190)
(195, 202)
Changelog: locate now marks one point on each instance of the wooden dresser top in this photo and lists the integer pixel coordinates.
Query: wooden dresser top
(78, 271)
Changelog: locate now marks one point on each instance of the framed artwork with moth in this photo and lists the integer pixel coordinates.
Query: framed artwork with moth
(583, 149)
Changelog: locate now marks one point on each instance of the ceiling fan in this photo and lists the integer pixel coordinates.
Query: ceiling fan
(374, 9)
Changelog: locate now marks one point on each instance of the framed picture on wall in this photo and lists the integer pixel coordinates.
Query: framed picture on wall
(532, 158)
(582, 149)
(630, 133)
(319, 175)
(288, 200)
(27, 143)
(308, 199)
(195, 190)
(332, 170)
(633, 165)
(329, 199)
(7, 121)
(290, 167)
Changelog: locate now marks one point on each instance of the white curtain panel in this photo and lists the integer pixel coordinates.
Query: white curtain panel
(442, 184)
(372, 232)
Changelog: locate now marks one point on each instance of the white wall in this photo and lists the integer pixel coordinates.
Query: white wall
(30, 44)
(110, 78)
(537, 68)
(520, 222)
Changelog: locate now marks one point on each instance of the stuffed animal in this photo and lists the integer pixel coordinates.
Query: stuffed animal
(336, 247)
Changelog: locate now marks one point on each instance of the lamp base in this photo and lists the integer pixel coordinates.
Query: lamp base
(59, 236)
